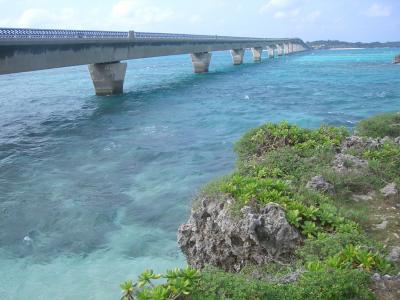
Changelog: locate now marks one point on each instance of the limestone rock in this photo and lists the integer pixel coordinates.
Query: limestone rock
(213, 237)
(386, 287)
(358, 142)
(389, 190)
(397, 140)
(382, 226)
(347, 162)
(394, 254)
(371, 195)
(318, 183)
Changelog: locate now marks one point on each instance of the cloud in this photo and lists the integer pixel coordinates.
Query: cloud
(273, 5)
(314, 15)
(196, 19)
(131, 13)
(378, 10)
(43, 18)
(286, 14)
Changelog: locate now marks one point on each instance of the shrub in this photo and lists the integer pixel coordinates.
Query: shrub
(180, 283)
(333, 284)
(382, 125)
(271, 136)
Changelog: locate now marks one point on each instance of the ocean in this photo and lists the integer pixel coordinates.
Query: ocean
(93, 189)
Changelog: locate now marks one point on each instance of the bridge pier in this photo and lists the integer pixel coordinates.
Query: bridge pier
(270, 51)
(279, 50)
(285, 49)
(201, 62)
(237, 56)
(257, 53)
(108, 78)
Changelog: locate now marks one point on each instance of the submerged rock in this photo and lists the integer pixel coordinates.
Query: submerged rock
(389, 190)
(212, 236)
(318, 183)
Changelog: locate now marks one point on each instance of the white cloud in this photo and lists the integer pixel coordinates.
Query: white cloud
(196, 19)
(378, 10)
(131, 13)
(41, 18)
(312, 16)
(272, 5)
(286, 14)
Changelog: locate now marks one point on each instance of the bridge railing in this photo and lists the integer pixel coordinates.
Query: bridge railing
(49, 34)
(21, 33)
(153, 35)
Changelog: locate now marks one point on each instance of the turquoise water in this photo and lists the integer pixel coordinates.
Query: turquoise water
(93, 189)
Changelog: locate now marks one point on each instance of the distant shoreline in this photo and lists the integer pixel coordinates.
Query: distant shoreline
(345, 49)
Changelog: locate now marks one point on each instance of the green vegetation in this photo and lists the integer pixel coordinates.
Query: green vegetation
(322, 284)
(380, 126)
(179, 284)
(329, 44)
(275, 162)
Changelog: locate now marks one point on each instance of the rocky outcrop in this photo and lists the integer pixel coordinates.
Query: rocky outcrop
(212, 236)
(318, 183)
(389, 190)
(358, 142)
(386, 287)
(346, 162)
(394, 254)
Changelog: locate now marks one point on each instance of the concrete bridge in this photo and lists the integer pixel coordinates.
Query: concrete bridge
(24, 50)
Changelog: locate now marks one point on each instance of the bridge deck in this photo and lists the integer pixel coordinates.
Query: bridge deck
(35, 49)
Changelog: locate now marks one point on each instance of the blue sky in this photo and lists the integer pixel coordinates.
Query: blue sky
(351, 20)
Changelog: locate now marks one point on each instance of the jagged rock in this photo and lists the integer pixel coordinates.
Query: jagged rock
(389, 190)
(386, 287)
(382, 226)
(376, 277)
(318, 183)
(394, 254)
(347, 162)
(371, 195)
(358, 142)
(213, 237)
(397, 140)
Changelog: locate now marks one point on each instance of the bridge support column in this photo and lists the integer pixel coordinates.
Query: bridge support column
(201, 62)
(279, 50)
(270, 51)
(237, 56)
(285, 49)
(108, 78)
(257, 53)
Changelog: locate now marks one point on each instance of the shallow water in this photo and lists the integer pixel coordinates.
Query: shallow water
(93, 189)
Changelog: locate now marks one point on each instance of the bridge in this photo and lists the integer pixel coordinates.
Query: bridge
(23, 50)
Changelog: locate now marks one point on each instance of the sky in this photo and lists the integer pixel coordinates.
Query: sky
(348, 20)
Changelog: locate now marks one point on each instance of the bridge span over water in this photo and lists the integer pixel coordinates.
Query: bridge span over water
(24, 50)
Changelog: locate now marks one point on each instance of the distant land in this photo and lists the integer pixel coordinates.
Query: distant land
(329, 44)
